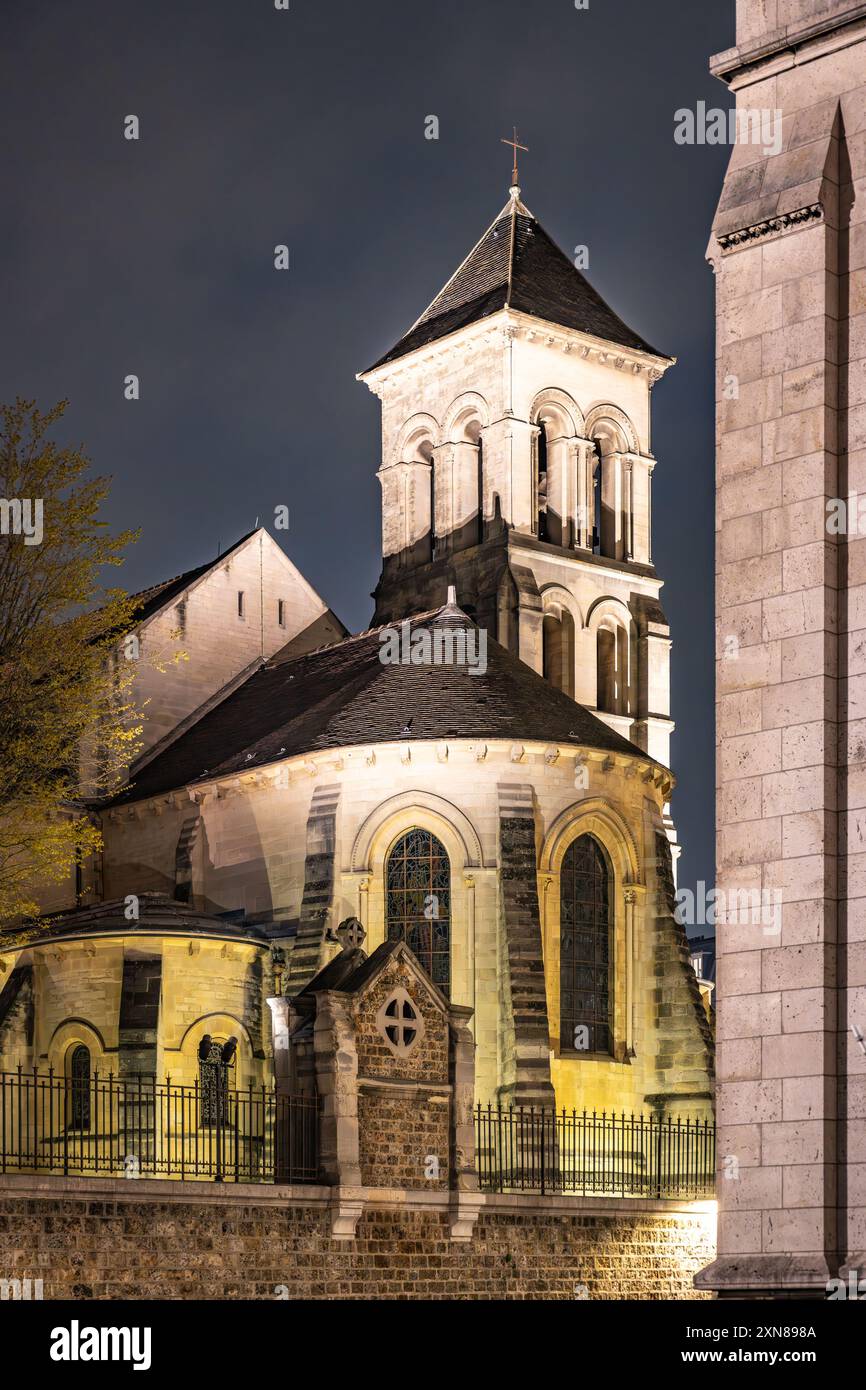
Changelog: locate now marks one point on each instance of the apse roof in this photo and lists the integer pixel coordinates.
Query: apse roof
(344, 695)
(516, 265)
(155, 913)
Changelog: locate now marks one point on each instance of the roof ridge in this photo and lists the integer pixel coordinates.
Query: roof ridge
(271, 663)
(511, 253)
(466, 259)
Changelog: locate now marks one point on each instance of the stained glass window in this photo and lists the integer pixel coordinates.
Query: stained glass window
(418, 898)
(585, 948)
(79, 1088)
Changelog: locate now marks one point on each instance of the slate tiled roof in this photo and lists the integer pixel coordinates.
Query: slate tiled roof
(517, 265)
(350, 971)
(344, 695)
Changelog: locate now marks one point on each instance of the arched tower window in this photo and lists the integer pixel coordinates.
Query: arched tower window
(541, 483)
(557, 634)
(480, 467)
(596, 499)
(418, 898)
(78, 1105)
(586, 948)
(425, 454)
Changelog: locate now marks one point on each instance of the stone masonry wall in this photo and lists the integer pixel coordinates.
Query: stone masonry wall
(427, 1062)
(397, 1136)
(685, 1056)
(400, 1127)
(789, 254)
(249, 1243)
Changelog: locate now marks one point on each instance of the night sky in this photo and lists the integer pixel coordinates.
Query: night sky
(262, 127)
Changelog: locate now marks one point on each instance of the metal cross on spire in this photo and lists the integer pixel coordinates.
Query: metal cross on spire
(513, 142)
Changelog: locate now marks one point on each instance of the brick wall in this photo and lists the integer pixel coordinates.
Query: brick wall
(94, 1240)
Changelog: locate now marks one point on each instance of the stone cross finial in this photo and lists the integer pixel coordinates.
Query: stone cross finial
(350, 934)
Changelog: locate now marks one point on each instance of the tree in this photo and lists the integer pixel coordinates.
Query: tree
(68, 727)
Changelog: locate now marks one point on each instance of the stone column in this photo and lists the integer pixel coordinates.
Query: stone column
(508, 473)
(280, 1014)
(465, 1200)
(627, 510)
(337, 1085)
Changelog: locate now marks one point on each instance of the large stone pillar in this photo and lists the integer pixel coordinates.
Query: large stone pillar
(336, 1057)
(508, 480)
(791, 344)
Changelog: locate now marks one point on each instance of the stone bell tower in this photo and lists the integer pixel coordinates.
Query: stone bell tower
(517, 465)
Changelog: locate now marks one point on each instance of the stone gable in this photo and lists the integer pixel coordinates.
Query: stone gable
(428, 1059)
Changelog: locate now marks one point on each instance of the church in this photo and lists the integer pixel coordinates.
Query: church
(502, 806)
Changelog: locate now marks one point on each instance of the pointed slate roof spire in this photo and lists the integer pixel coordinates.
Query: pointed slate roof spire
(516, 265)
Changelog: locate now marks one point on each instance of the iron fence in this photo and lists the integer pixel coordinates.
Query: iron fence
(522, 1149)
(137, 1127)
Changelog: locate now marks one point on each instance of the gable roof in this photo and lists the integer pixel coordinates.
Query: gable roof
(516, 265)
(352, 970)
(345, 695)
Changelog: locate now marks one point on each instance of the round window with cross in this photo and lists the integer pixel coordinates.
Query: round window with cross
(400, 1023)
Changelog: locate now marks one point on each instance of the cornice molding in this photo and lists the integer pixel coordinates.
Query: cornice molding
(792, 44)
(770, 226)
(507, 327)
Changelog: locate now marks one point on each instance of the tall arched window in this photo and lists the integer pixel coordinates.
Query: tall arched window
(78, 1106)
(586, 948)
(596, 466)
(418, 902)
(541, 485)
